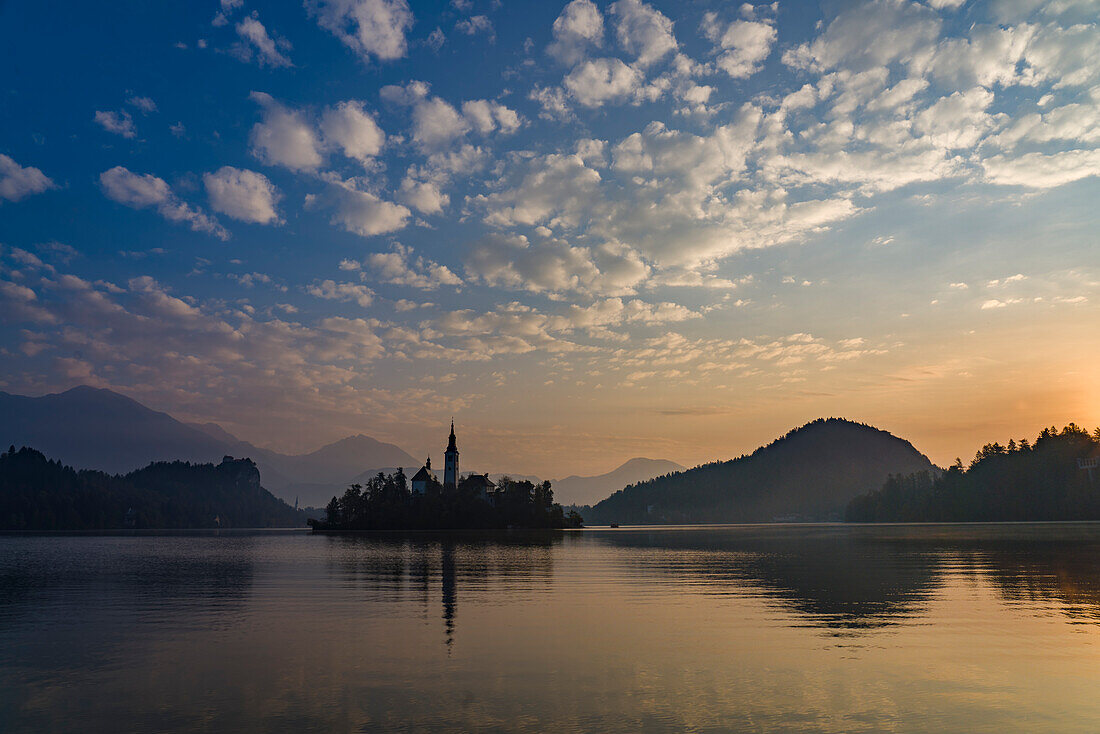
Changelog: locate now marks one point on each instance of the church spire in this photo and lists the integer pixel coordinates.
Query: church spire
(450, 461)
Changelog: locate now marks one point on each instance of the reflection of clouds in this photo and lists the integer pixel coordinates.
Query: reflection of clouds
(657, 629)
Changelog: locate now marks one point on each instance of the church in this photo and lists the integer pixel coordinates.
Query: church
(425, 480)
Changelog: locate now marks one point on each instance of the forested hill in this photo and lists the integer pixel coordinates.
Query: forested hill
(43, 495)
(1045, 480)
(809, 474)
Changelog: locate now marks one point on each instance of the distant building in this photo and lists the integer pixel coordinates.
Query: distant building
(482, 486)
(424, 478)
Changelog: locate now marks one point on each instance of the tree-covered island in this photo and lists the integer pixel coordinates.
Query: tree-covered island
(389, 502)
(473, 502)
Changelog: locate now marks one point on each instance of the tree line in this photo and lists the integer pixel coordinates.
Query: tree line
(386, 502)
(37, 494)
(1019, 481)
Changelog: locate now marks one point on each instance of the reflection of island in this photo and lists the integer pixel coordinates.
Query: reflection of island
(837, 578)
(861, 577)
(379, 562)
(1057, 564)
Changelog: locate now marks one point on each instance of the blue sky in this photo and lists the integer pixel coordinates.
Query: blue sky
(589, 231)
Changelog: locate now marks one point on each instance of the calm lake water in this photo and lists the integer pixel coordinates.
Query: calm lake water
(750, 628)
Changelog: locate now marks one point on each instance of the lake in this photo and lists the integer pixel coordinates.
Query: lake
(735, 628)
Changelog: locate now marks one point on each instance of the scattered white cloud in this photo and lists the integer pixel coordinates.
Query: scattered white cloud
(598, 81)
(361, 212)
(399, 267)
(119, 123)
(330, 290)
(284, 137)
(476, 24)
(578, 29)
(350, 127)
(268, 51)
(241, 194)
(18, 181)
(145, 104)
(643, 30)
(139, 191)
(742, 45)
(371, 28)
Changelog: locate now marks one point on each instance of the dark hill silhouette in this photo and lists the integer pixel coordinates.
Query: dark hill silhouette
(809, 474)
(39, 494)
(1021, 482)
(92, 428)
(585, 490)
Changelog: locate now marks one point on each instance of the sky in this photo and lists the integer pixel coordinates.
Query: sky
(587, 231)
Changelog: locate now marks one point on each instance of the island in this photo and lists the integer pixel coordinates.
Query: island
(471, 502)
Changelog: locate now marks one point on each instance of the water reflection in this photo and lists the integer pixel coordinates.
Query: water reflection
(834, 576)
(383, 562)
(825, 628)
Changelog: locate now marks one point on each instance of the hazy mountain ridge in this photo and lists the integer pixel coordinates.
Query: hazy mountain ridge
(95, 428)
(580, 490)
(811, 473)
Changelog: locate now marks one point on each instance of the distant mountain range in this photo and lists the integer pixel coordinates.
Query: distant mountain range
(586, 490)
(93, 428)
(809, 474)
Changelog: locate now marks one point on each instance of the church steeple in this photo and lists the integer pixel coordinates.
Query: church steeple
(450, 461)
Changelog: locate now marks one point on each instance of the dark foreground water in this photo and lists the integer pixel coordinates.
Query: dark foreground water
(765, 628)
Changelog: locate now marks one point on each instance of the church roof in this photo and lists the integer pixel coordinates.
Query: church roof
(423, 475)
(479, 481)
(451, 440)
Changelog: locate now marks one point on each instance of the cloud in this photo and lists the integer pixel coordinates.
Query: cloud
(244, 195)
(554, 266)
(17, 181)
(424, 196)
(140, 191)
(486, 116)
(119, 123)
(283, 137)
(436, 123)
(596, 82)
(576, 30)
(871, 34)
(145, 104)
(555, 189)
(476, 24)
(397, 267)
(361, 212)
(744, 44)
(268, 53)
(350, 127)
(643, 30)
(371, 28)
(1041, 171)
(332, 291)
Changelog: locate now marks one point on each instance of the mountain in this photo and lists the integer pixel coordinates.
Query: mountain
(38, 494)
(809, 474)
(347, 458)
(91, 428)
(586, 490)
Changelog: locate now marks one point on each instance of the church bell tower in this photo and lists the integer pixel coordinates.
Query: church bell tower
(450, 461)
